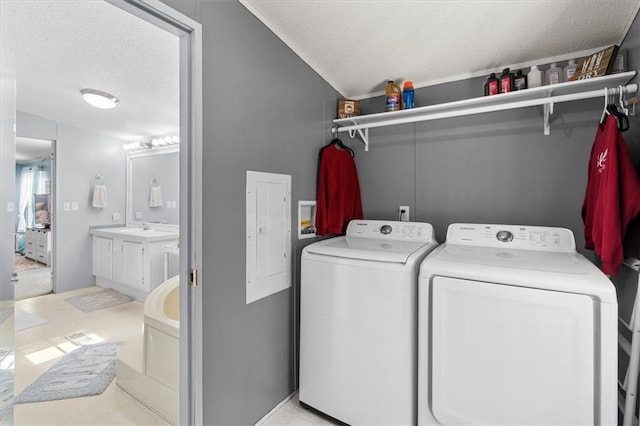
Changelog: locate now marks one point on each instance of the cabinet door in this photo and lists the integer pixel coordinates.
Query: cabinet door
(132, 263)
(102, 257)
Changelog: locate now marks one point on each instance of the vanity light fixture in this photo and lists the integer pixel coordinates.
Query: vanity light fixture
(99, 99)
(155, 142)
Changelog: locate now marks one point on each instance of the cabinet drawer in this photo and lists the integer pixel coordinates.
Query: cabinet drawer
(40, 257)
(30, 253)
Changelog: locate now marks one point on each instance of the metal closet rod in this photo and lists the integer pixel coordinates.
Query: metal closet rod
(450, 112)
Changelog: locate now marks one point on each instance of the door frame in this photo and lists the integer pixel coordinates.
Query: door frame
(190, 34)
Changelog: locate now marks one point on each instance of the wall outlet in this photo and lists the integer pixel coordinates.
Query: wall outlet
(403, 213)
(74, 206)
(66, 206)
(115, 217)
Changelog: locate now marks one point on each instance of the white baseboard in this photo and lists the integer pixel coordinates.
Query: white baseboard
(276, 408)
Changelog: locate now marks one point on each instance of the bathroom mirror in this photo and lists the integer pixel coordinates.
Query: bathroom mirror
(153, 186)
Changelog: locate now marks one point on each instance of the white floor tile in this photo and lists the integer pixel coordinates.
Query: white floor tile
(119, 323)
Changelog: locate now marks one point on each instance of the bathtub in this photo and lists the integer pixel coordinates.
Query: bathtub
(149, 369)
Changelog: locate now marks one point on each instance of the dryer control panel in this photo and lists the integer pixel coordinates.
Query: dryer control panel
(512, 236)
(392, 230)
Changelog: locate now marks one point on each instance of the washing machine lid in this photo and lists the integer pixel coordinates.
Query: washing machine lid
(393, 251)
(377, 240)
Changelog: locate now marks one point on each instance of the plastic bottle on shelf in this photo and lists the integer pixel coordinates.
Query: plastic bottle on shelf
(408, 95)
(520, 81)
(506, 81)
(393, 94)
(534, 78)
(569, 70)
(553, 75)
(492, 85)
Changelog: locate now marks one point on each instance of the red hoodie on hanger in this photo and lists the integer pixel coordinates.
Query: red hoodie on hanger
(338, 194)
(612, 198)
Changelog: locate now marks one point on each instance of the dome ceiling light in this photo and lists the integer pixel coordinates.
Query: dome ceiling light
(99, 99)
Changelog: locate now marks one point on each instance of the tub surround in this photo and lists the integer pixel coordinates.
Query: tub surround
(148, 368)
(130, 260)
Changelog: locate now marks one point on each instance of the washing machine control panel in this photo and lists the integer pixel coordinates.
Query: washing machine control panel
(512, 236)
(393, 230)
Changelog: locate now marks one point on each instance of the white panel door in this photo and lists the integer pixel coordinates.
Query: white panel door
(103, 257)
(132, 263)
(508, 355)
(268, 237)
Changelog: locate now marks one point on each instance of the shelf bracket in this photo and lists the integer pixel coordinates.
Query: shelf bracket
(363, 133)
(548, 111)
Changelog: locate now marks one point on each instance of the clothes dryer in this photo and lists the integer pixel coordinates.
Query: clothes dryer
(515, 328)
(358, 322)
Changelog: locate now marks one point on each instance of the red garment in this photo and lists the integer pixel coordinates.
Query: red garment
(338, 194)
(612, 198)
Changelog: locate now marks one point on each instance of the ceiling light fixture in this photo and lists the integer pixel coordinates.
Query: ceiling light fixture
(99, 99)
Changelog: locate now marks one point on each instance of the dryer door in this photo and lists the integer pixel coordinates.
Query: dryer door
(507, 355)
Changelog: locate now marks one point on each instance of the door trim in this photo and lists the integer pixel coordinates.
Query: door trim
(190, 34)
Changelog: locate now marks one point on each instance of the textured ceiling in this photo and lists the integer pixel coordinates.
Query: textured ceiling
(357, 45)
(60, 47)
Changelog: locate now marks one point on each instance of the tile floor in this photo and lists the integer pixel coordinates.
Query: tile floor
(292, 414)
(39, 347)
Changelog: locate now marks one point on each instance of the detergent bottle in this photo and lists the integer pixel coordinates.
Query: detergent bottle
(408, 95)
(393, 95)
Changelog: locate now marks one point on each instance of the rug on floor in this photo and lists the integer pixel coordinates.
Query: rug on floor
(99, 300)
(6, 397)
(22, 263)
(24, 320)
(86, 371)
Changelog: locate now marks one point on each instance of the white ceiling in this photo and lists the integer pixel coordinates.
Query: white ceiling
(357, 45)
(28, 150)
(60, 47)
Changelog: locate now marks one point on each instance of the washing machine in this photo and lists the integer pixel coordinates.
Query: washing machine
(358, 322)
(515, 328)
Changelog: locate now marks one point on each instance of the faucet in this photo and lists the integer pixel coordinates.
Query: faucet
(145, 226)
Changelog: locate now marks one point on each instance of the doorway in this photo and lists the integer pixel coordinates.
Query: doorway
(188, 33)
(33, 259)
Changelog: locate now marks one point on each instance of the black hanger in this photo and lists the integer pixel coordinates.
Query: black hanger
(341, 145)
(621, 118)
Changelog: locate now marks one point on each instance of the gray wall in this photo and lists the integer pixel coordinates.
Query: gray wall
(264, 110)
(493, 168)
(80, 155)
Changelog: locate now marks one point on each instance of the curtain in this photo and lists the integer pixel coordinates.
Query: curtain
(41, 184)
(26, 192)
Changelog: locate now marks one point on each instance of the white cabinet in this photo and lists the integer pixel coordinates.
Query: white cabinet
(38, 245)
(103, 257)
(130, 261)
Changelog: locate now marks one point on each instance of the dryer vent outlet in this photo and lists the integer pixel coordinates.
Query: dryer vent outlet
(403, 213)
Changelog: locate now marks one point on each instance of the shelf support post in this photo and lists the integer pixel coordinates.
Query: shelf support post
(548, 111)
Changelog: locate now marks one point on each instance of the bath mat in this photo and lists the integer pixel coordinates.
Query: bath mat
(24, 320)
(86, 371)
(99, 300)
(6, 397)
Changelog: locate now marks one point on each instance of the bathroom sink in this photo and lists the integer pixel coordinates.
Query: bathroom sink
(137, 233)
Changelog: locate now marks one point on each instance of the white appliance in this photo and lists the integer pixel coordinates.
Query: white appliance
(358, 322)
(515, 328)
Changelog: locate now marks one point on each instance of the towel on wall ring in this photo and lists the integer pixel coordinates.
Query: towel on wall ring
(99, 196)
(155, 197)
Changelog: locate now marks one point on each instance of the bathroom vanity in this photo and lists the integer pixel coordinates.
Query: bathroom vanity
(130, 260)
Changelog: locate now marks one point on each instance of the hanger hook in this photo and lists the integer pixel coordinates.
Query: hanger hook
(624, 109)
